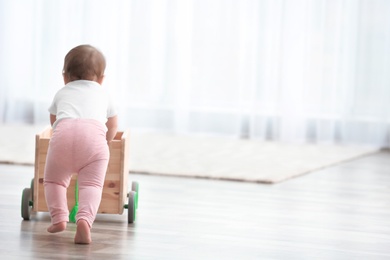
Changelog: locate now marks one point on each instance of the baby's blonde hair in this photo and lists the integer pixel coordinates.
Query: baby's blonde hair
(84, 62)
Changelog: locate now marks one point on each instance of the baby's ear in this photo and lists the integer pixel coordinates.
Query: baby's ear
(100, 80)
(66, 78)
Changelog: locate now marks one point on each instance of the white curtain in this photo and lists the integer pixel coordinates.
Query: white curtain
(285, 70)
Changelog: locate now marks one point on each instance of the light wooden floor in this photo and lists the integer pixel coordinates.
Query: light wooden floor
(341, 212)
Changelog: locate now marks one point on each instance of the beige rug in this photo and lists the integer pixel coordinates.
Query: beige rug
(201, 157)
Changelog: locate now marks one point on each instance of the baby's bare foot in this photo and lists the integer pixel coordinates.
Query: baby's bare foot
(54, 228)
(83, 233)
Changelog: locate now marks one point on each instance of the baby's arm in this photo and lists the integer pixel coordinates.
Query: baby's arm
(53, 118)
(112, 126)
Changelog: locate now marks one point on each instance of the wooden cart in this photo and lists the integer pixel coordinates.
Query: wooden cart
(115, 197)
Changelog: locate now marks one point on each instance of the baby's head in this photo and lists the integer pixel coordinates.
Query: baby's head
(84, 62)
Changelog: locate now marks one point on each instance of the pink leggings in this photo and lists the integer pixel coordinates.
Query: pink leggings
(77, 146)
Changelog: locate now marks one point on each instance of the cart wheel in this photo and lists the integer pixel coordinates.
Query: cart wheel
(32, 189)
(135, 188)
(131, 207)
(26, 207)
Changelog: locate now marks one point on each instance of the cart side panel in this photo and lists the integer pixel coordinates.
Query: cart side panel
(41, 144)
(36, 170)
(112, 182)
(124, 169)
(40, 202)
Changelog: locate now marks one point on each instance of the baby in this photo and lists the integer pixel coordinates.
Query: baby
(84, 121)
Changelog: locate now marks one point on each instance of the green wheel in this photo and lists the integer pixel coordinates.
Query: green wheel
(135, 188)
(26, 205)
(131, 207)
